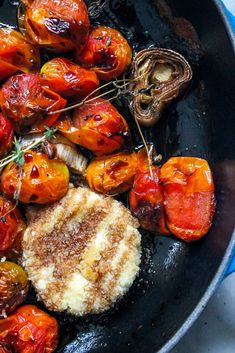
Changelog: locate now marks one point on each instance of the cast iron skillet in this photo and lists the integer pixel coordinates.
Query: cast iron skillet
(176, 279)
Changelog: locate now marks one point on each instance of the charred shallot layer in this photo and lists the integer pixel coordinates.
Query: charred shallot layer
(16, 54)
(160, 76)
(59, 147)
(58, 26)
(68, 79)
(26, 102)
(13, 286)
(106, 52)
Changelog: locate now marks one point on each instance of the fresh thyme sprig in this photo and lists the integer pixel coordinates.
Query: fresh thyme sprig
(17, 155)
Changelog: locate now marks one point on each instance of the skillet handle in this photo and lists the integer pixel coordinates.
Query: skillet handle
(227, 8)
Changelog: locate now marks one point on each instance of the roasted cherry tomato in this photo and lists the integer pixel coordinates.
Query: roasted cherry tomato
(29, 330)
(5, 348)
(189, 196)
(44, 180)
(13, 286)
(68, 79)
(16, 54)
(27, 103)
(146, 197)
(106, 52)
(112, 174)
(97, 126)
(58, 26)
(6, 136)
(11, 227)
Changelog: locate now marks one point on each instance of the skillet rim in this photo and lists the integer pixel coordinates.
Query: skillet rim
(229, 253)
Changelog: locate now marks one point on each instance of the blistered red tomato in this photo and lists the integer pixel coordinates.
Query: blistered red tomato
(189, 196)
(11, 227)
(13, 286)
(112, 174)
(106, 52)
(27, 103)
(58, 26)
(97, 126)
(146, 197)
(16, 54)
(6, 135)
(44, 180)
(29, 330)
(68, 79)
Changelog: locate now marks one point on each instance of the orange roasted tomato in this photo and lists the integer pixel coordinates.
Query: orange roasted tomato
(112, 174)
(16, 54)
(146, 198)
(27, 103)
(13, 286)
(189, 196)
(29, 330)
(97, 126)
(11, 227)
(68, 79)
(44, 180)
(6, 135)
(58, 26)
(106, 52)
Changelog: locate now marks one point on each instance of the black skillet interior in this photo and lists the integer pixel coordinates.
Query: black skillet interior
(174, 275)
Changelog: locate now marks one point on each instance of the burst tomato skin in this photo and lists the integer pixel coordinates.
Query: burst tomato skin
(16, 54)
(29, 330)
(189, 196)
(68, 79)
(106, 52)
(6, 136)
(146, 198)
(12, 227)
(112, 174)
(13, 286)
(44, 180)
(98, 127)
(27, 103)
(58, 26)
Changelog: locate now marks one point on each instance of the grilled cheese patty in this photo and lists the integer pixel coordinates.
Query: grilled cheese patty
(81, 253)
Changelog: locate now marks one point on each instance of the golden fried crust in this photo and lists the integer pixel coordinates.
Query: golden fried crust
(81, 253)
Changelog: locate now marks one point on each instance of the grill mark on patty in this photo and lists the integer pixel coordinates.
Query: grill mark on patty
(120, 265)
(104, 265)
(66, 254)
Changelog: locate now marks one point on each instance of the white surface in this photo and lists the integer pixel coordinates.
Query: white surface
(214, 331)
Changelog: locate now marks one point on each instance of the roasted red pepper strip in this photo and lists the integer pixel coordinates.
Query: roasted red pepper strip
(29, 330)
(146, 197)
(6, 136)
(97, 126)
(189, 196)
